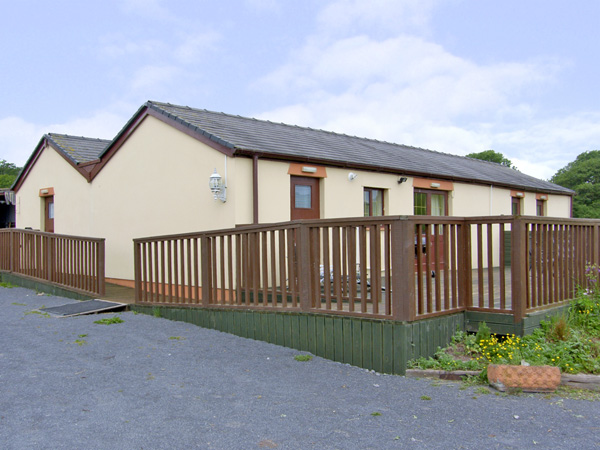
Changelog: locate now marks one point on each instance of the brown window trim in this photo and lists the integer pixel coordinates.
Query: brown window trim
(47, 192)
(429, 192)
(370, 190)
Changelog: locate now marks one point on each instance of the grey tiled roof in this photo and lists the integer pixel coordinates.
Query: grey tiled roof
(245, 135)
(77, 148)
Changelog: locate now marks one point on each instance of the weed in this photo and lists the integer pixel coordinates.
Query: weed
(558, 329)
(483, 333)
(425, 397)
(176, 338)
(570, 342)
(80, 342)
(156, 312)
(6, 284)
(82, 335)
(109, 321)
(303, 357)
(482, 390)
(18, 304)
(376, 413)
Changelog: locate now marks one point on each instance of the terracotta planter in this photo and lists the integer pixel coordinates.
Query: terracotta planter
(526, 378)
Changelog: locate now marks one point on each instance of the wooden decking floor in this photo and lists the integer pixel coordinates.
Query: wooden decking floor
(117, 293)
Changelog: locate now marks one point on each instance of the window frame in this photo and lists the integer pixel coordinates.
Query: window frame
(370, 191)
(429, 193)
(540, 207)
(519, 204)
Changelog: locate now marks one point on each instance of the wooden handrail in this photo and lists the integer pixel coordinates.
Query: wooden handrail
(373, 266)
(74, 262)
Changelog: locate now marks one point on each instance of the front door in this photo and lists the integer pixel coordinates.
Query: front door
(49, 214)
(305, 198)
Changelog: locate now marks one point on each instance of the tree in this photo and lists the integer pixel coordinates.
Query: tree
(8, 173)
(583, 176)
(492, 156)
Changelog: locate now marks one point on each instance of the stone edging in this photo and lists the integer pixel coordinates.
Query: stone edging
(579, 381)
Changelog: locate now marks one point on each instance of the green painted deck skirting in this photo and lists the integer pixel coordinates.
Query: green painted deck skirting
(381, 345)
(42, 286)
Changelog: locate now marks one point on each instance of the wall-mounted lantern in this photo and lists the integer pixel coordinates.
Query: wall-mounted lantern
(402, 180)
(351, 176)
(217, 187)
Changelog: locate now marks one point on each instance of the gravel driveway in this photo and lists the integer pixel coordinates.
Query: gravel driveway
(151, 383)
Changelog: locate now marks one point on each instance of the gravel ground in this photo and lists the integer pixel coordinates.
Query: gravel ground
(151, 383)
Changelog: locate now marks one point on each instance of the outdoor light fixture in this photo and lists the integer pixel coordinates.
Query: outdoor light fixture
(307, 169)
(351, 176)
(402, 180)
(520, 194)
(217, 187)
(435, 185)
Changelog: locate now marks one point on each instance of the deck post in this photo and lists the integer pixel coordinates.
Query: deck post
(137, 270)
(13, 250)
(595, 245)
(465, 273)
(403, 270)
(101, 268)
(205, 268)
(304, 263)
(519, 249)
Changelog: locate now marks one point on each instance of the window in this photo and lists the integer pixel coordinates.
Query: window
(516, 206)
(540, 207)
(431, 203)
(373, 202)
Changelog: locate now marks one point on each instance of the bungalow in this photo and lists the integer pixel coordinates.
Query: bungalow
(175, 169)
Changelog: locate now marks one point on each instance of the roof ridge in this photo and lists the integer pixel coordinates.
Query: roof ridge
(78, 137)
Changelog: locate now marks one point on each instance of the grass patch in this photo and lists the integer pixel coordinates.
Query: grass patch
(6, 284)
(109, 321)
(303, 358)
(18, 304)
(39, 313)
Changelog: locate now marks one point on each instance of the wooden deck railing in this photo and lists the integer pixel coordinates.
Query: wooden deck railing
(70, 261)
(401, 268)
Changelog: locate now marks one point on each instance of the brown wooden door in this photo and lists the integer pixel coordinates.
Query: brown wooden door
(305, 198)
(49, 214)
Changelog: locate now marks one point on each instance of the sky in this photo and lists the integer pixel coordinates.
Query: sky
(457, 76)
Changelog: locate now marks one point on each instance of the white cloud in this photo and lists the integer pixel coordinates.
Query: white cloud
(117, 45)
(263, 5)
(384, 15)
(152, 78)
(147, 8)
(194, 47)
(20, 137)
(404, 88)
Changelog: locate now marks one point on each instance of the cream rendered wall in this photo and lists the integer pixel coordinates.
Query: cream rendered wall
(339, 196)
(244, 212)
(344, 198)
(273, 191)
(558, 206)
(156, 184)
(477, 200)
(71, 194)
